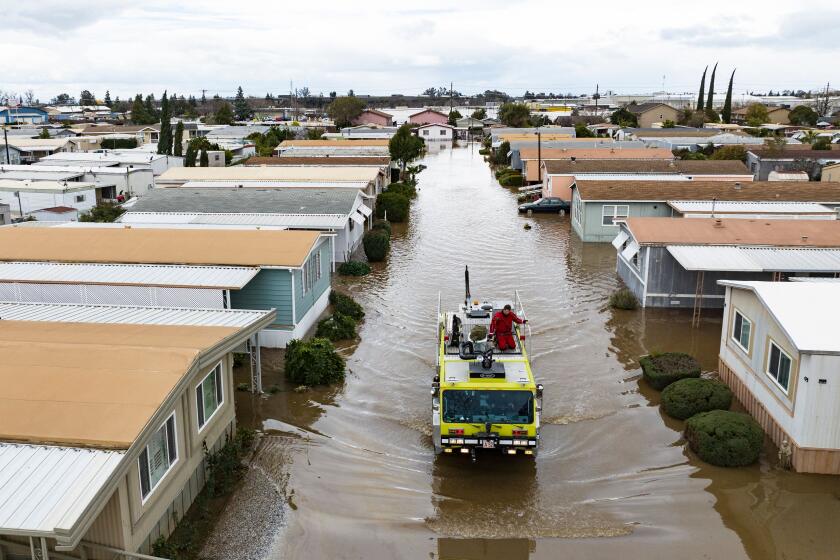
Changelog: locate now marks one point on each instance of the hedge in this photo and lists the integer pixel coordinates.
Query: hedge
(660, 370)
(313, 362)
(337, 327)
(376, 243)
(724, 438)
(684, 398)
(511, 180)
(624, 299)
(394, 205)
(408, 191)
(354, 268)
(383, 225)
(346, 305)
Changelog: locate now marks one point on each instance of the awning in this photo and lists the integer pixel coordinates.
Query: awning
(358, 218)
(630, 251)
(620, 239)
(756, 259)
(364, 210)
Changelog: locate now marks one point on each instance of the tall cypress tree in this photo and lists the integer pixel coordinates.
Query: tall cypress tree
(138, 110)
(240, 106)
(701, 97)
(726, 114)
(108, 99)
(165, 138)
(178, 145)
(710, 101)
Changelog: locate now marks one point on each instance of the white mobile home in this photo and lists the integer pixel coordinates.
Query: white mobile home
(25, 197)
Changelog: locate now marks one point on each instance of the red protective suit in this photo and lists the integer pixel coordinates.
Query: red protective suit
(502, 327)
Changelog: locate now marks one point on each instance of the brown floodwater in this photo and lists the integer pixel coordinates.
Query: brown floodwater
(349, 471)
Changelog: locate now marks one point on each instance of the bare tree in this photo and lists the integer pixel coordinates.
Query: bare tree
(822, 102)
(29, 97)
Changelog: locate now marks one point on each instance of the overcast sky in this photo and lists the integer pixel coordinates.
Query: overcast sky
(377, 47)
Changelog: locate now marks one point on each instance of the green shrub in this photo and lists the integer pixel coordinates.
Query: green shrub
(502, 171)
(624, 299)
(383, 225)
(394, 205)
(511, 180)
(407, 190)
(376, 243)
(313, 362)
(346, 305)
(102, 212)
(660, 370)
(484, 151)
(354, 268)
(684, 398)
(337, 327)
(725, 438)
(118, 143)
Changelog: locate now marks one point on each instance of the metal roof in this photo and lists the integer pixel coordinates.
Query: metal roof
(756, 259)
(300, 201)
(349, 185)
(313, 221)
(221, 277)
(806, 311)
(54, 187)
(45, 490)
(749, 207)
(128, 315)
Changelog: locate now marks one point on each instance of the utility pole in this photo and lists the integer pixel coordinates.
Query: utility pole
(539, 154)
(450, 98)
(6, 143)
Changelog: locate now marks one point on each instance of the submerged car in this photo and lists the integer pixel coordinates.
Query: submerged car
(548, 204)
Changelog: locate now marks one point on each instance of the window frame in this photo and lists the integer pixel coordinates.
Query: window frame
(782, 353)
(216, 372)
(172, 462)
(311, 269)
(736, 313)
(577, 210)
(615, 214)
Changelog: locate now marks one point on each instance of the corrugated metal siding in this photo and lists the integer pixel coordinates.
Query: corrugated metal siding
(48, 488)
(271, 288)
(304, 302)
(128, 274)
(70, 313)
(107, 529)
(113, 295)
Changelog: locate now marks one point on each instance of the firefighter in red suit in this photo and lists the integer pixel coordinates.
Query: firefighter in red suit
(502, 327)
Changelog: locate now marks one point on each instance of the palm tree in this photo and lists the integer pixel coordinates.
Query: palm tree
(810, 136)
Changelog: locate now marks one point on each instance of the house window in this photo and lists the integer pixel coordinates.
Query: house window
(158, 457)
(741, 330)
(778, 366)
(209, 395)
(577, 210)
(614, 212)
(311, 272)
(425, 133)
(80, 198)
(443, 132)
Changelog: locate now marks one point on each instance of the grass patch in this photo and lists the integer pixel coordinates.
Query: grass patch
(660, 370)
(624, 299)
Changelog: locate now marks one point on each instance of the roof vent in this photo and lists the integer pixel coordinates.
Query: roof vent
(737, 186)
(574, 159)
(718, 223)
(804, 238)
(127, 226)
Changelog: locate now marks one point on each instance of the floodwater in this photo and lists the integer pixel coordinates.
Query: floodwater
(349, 471)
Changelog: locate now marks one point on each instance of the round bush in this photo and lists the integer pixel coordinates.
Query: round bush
(624, 299)
(408, 191)
(346, 305)
(376, 244)
(684, 398)
(313, 362)
(337, 327)
(724, 438)
(394, 205)
(660, 370)
(383, 225)
(511, 180)
(354, 268)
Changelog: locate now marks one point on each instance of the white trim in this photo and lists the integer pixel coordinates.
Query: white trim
(144, 499)
(219, 405)
(615, 214)
(706, 296)
(732, 334)
(767, 365)
(647, 273)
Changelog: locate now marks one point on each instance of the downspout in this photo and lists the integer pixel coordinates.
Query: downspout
(647, 268)
(294, 295)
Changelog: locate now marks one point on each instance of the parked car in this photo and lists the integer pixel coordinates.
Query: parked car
(549, 204)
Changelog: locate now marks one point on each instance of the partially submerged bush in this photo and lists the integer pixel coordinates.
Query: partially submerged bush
(624, 299)
(376, 243)
(337, 327)
(407, 190)
(394, 205)
(346, 305)
(511, 180)
(354, 268)
(725, 438)
(383, 225)
(660, 370)
(504, 171)
(313, 362)
(687, 397)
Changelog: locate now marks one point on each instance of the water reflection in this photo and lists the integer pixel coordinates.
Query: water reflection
(485, 549)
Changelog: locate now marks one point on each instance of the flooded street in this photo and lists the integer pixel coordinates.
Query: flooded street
(352, 469)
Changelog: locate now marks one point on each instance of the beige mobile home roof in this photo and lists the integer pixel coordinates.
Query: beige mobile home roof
(594, 153)
(274, 173)
(708, 231)
(158, 246)
(91, 384)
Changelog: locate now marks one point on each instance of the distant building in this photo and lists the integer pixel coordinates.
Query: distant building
(375, 117)
(648, 114)
(779, 352)
(368, 132)
(428, 116)
(776, 115)
(532, 158)
(5, 214)
(23, 115)
(830, 172)
(675, 262)
(344, 147)
(25, 197)
(763, 161)
(126, 159)
(435, 132)
(56, 214)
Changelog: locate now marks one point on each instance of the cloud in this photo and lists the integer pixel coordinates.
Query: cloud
(49, 16)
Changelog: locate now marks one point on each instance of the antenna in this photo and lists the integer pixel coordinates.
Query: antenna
(714, 200)
(467, 285)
